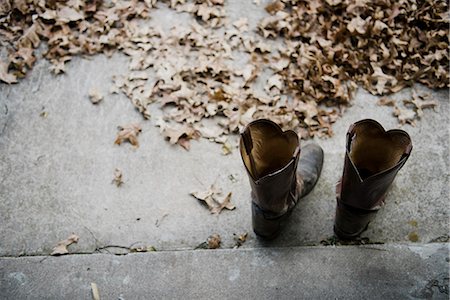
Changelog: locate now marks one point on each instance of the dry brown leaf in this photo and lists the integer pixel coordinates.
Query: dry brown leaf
(240, 240)
(180, 134)
(405, 115)
(227, 148)
(213, 241)
(357, 25)
(384, 101)
(68, 14)
(95, 96)
(61, 247)
(4, 75)
(128, 133)
(274, 7)
(210, 196)
(226, 203)
(118, 177)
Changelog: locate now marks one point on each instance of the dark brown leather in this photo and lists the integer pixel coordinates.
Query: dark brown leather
(372, 160)
(270, 157)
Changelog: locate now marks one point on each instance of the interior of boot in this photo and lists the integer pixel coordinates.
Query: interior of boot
(373, 150)
(271, 149)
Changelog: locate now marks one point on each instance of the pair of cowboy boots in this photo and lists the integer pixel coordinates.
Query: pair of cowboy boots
(281, 173)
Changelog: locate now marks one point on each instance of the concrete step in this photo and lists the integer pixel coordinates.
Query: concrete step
(394, 271)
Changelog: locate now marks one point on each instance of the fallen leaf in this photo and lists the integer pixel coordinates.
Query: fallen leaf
(405, 116)
(357, 24)
(128, 132)
(95, 96)
(384, 101)
(226, 203)
(4, 75)
(274, 7)
(68, 14)
(240, 240)
(118, 177)
(207, 196)
(226, 148)
(210, 196)
(213, 241)
(61, 247)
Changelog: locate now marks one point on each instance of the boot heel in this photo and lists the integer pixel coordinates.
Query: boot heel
(265, 225)
(351, 222)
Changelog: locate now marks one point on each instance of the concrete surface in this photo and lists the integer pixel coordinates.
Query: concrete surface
(57, 161)
(56, 173)
(266, 273)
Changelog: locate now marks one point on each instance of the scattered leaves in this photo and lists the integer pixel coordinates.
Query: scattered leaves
(411, 110)
(324, 49)
(61, 247)
(128, 133)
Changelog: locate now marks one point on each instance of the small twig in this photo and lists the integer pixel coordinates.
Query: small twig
(95, 293)
(158, 221)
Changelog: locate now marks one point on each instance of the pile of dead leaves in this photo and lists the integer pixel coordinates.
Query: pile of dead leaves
(384, 45)
(300, 71)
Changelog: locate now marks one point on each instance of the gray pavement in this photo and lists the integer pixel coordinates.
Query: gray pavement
(365, 272)
(57, 161)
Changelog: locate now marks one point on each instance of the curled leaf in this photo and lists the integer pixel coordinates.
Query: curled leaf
(213, 241)
(95, 96)
(61, 247)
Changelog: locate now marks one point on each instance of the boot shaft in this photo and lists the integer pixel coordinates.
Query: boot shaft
(372, 160)
(270, 157)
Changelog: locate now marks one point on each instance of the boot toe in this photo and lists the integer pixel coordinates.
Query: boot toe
(310, 166)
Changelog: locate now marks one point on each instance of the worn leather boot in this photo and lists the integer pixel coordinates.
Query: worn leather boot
(271, 157)
(372, 159)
